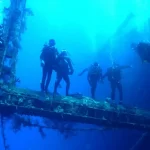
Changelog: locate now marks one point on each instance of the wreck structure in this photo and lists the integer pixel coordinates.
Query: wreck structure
(75, 108)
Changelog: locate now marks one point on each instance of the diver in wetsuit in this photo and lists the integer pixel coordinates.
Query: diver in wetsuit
(64, 68)
(143, 50)
(93, 77)
(48, 60)
(114, 76)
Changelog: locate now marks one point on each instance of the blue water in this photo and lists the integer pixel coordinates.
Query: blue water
(84, 29)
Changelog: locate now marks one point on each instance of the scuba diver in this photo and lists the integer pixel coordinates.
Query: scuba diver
(94, 76)
(143, 50)
(114, 76)
(48, 60)
(64, 68)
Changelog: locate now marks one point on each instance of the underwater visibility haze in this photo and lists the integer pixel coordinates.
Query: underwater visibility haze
(91, 33)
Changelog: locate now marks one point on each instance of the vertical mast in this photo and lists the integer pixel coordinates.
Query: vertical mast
(13, 26)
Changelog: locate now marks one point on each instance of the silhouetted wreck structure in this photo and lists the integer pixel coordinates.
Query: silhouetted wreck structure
(23, 101)
(76, 108)
(83, 109)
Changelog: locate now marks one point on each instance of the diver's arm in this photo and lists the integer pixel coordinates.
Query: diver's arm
(85, 70)
(42, 57)
(43, 52)
(70, 66)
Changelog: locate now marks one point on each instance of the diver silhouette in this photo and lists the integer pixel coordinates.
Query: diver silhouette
(94, 76)
(48, 61)
(114, 76)
(64, 68)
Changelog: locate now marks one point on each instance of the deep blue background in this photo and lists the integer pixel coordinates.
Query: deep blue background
(84, 29)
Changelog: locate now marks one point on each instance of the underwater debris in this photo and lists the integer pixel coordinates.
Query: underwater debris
(68, 133)
(67, 129)
(63, 127)
(16, 123)
(20, 121)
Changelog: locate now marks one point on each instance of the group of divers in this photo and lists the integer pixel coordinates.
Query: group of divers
(52, 60)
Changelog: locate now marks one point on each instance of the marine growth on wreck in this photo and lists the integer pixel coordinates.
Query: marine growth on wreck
(61, 113)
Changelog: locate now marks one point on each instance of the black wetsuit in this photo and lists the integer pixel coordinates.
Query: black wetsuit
(48, 55)
(94, 75)
(64, 69)
(143, 49)
(114, 76)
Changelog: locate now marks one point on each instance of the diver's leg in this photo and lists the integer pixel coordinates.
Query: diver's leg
(44, 74)
(93, 88)
(57, 82)
(49, 72)
(119, 86)
(89, 81)
(113, 90)
(67, 80)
